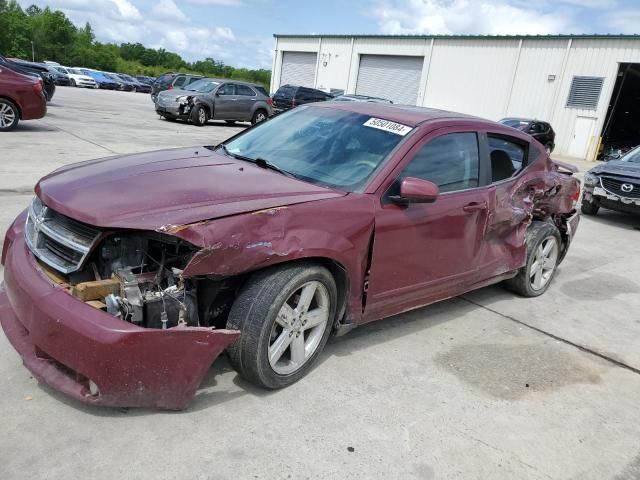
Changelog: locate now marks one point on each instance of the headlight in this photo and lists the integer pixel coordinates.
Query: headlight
(183, 99)
(591, 179)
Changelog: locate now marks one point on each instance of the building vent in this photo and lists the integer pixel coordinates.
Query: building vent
(585, 93)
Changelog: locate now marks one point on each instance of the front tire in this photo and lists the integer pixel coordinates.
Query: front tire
(543, 255)
(589, 208)
(199, 116)
(73, 83)
(285, 315)
(9, 115)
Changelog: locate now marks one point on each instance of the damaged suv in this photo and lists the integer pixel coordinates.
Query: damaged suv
(127, 276)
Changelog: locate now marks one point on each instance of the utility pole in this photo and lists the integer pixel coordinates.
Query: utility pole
(33, 53)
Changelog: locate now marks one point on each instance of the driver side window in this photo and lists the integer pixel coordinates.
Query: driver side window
(450, 161)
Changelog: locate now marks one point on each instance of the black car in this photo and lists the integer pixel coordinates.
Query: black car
(172, 80)
(59, 78)
(146, 80)
(138, 86)
(614, 185)
(539, 130)
(288, 96)
(32, 70)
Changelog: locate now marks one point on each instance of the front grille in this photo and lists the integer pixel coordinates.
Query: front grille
(57, 240)
(620, 187)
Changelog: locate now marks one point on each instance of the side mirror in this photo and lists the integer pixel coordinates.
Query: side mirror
(416, 190)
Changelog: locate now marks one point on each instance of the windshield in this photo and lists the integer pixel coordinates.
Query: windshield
(203, 86)
(633, 156)
(325, 146)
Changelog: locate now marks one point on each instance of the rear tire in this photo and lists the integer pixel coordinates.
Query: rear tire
(9, 115)
(543, 254)
(589, 208)
(282, 334)
(73, 83)
(199, 115)
(259, 116)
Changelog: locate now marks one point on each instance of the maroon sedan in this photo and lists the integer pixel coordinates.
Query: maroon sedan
(21, 98)
(128, 276)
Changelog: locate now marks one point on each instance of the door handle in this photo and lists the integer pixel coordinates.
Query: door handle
(474, 207)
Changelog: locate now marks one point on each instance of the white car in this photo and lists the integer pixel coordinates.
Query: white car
(78, 79)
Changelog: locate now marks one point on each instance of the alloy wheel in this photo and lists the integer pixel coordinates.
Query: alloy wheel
(7, 116)
(299, 328)
(202, 116)
(544, 263)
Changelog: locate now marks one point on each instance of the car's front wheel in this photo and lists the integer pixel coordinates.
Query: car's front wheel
(73, 83)
(285, 315)
(199, 115)
(589, 208)
(9, 115)
(543, 255)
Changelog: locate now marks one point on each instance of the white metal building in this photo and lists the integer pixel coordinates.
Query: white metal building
(569, 81)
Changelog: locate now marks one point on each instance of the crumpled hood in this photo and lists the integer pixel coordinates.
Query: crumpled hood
(617, 167)
(157, 190)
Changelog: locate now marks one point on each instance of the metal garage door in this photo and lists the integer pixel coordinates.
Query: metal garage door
(298, 68)
(395, 78)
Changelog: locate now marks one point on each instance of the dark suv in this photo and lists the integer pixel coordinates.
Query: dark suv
(169, 81)
(288, 96)
(539, 130)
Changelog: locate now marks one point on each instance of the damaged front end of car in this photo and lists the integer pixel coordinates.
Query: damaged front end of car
(106, 315)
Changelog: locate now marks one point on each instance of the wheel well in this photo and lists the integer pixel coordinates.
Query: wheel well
(15, 103)
(215, 296)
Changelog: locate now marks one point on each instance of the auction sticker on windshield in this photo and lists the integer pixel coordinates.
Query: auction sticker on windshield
(388, 126)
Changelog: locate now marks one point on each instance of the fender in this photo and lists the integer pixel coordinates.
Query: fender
(248, 242)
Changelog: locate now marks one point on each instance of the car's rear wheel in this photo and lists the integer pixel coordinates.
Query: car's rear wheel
(199, 115)
(9, 115)
(259, 116)
(73, 83)
(589, 208)
(543, 255)
(285, 315)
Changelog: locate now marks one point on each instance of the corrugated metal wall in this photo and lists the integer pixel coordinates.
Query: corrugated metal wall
(491, 78)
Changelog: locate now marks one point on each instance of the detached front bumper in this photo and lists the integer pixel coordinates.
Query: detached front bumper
(73, 347)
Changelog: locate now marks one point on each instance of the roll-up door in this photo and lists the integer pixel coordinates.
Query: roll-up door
(396, 78)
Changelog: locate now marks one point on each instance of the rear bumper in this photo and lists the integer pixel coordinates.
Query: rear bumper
(66, 343)
(35, 108)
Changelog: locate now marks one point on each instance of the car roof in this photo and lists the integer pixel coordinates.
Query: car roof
(405, 114)
(231, 80)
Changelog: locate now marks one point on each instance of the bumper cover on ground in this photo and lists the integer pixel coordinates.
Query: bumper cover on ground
(65, 343)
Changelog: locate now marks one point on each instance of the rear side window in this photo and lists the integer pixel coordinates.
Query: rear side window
(262, 91)
(507, 157)
(450, 161)
(245, 91)
(165, 79)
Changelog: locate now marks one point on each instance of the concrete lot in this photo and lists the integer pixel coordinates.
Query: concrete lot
(485, 386)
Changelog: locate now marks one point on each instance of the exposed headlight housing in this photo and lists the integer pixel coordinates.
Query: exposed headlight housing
(591, 180)
(183, 99)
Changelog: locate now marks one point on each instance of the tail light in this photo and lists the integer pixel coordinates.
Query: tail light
(38, 86)
(270, 102)
(293, 102)
(170, 87)
(576, 196)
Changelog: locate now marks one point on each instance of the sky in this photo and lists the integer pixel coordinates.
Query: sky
(240, 32)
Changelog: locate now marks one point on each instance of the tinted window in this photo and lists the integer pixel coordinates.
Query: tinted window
(244, 90)
(190, 80)
(322, 145)
(450, 161)
(262, 91)
(165, 79)
(180, 81)
(507, 157)
(227, 89)
(202, 85)
(286, 91)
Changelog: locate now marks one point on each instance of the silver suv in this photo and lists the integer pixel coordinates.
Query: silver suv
(214, 99)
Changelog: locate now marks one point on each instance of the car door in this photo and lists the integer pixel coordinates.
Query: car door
(246, 98)
(225, 99)
(504, 248)
(426, 252)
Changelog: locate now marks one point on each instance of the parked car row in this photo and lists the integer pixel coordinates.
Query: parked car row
(33, 70)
